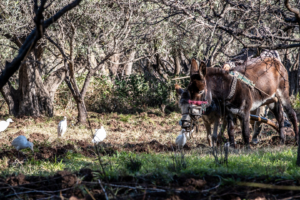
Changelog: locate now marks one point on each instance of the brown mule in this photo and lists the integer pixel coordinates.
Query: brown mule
(269, 76)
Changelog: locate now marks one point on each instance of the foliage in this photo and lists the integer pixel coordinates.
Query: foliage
(135, 93)
(296, 102)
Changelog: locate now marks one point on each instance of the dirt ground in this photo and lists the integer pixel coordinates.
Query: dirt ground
(150, 135)
(73, 187)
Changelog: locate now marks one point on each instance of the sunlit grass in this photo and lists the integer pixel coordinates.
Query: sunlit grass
(72, 162)
(280, 162)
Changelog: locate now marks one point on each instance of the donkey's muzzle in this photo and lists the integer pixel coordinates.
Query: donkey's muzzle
(185, 121)
(196, 111)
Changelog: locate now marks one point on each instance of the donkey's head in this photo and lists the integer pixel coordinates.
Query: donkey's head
(190, 113)
(184, 106)
(197, 87)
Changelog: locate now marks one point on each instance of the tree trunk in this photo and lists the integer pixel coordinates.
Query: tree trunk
(176, 61)
(157, 67)
(82, 115)
(33, 96)
(184, 62)
(115, 64)
(293, 72)
(128, 66)
(9, 94)
(149, 67)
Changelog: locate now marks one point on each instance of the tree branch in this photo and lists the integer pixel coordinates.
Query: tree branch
(31, 40)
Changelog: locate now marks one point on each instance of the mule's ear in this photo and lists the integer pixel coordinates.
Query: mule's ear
(194, 67)
(178, 89)
(202, 69)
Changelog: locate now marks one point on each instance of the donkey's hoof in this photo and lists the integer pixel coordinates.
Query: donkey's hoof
(255, 141)
(248, 147)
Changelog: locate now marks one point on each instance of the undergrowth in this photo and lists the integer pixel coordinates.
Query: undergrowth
(131, 94)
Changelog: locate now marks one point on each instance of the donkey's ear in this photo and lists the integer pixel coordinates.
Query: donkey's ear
(178, 89)
(194, 67)
(202, 69)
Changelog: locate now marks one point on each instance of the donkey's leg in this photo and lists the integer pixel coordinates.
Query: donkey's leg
(208, 131)
(222, 130)
(230, 130)
(276, 108)
(245, 128)
(215, 132)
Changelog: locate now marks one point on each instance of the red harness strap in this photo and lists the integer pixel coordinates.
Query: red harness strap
(199, 103)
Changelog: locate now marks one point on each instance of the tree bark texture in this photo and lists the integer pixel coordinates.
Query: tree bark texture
(33, 97)
(176, 61)
(128, 66)
(114, 64)
(293, 72)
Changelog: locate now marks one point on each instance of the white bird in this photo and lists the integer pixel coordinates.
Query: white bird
(99, 135)
(62, 127)
(21, 142)
(181, 139)
(5, 124)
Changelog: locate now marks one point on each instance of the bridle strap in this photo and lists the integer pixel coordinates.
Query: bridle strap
(198, 102)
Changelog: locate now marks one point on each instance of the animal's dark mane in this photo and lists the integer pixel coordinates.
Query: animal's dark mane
(216, 71)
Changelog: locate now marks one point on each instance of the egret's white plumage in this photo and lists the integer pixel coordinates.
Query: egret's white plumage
(99, 135)
(62, 127)
(181, 139)
(5, 124)
(21, 142)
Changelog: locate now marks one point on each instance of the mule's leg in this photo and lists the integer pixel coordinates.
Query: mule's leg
(258, 125)
(286, 103)
(230, 130)
(215, 131)
(208, 131)
(276, 108)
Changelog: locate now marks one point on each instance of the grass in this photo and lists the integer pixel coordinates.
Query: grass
(275, 162)
(46, 168)
(279, 162)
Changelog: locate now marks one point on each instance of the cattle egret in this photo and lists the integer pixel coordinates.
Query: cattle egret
(5, 124)
(100, 135)
(181, 139)
(21, 142)
(62, 127)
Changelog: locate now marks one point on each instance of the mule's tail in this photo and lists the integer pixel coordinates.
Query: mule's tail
(264, 120)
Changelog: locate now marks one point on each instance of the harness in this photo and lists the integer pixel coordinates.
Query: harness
(238, 76)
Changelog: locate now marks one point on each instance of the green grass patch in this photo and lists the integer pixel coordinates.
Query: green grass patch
(163, 166)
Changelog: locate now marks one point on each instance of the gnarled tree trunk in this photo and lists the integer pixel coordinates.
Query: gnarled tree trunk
(176, 61)
(33, 97)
